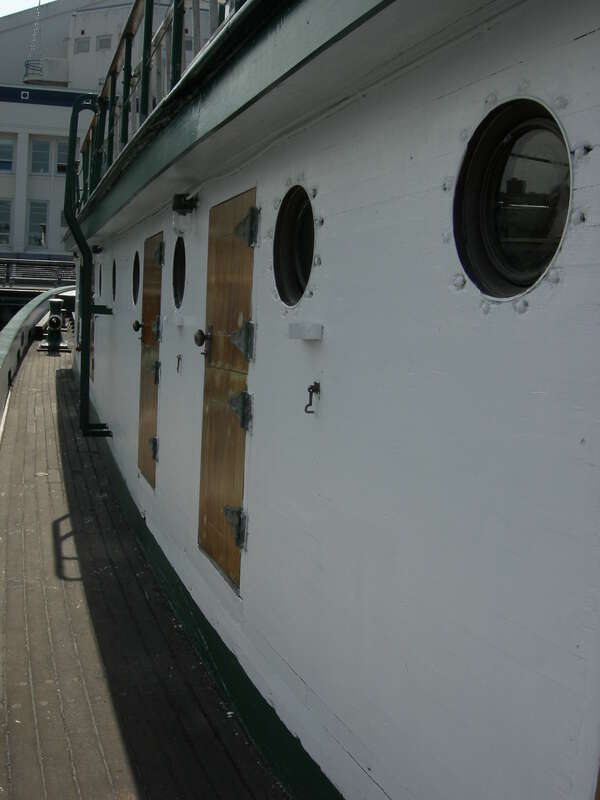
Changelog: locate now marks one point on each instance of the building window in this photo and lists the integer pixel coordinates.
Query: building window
(4, 222)
(38, 222)
(62, 149)
(103, 42)
(512, 198)
(6, 156)
(82, 44)
(40, 157)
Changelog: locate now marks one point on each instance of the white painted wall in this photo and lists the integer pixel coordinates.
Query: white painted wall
(420, 593)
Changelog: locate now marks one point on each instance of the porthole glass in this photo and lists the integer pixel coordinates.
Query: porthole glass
(512, 198)
(179, 272)
(294, 245)
(136, 278)
(114, 281)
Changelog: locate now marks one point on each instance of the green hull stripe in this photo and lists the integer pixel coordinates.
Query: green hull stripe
(290, 762)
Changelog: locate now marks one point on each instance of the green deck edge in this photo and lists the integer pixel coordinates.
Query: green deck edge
(289, 760)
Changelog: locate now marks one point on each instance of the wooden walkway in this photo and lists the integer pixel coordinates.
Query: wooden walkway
(101, 694)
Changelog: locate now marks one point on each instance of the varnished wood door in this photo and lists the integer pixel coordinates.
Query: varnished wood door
(149, 359)
(228, 290)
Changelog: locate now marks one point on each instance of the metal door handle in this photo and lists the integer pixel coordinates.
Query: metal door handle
(137, 325)
(202, 338)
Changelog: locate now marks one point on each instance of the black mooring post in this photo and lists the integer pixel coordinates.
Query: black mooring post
(84, 102)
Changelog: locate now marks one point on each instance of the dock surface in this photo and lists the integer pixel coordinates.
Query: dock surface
(102, 695)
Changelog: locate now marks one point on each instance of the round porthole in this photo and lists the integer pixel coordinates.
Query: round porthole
(136, 278)
(512, 198)
(114, 280)
(294, 245)
(179, 272)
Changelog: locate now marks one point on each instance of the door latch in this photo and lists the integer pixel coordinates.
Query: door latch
(238, 522)
(314, 388)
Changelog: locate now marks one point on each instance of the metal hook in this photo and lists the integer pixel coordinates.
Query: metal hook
(314, 388)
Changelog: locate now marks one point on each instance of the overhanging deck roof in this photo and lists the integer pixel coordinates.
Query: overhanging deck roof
(272, 67)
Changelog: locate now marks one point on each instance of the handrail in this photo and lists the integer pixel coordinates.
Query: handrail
(157, 69)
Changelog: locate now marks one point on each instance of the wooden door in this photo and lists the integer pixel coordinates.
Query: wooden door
(149, 360)
(228, 290)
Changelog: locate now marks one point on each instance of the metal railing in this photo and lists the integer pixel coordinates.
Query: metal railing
(144, 69)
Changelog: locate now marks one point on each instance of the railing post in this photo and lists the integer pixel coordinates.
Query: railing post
(177, 41)
(213, 15)
(147, 46)
(112, 100)
(196, 43)
(90, 158)
(126, 87)
(98, 144)
(85, 167)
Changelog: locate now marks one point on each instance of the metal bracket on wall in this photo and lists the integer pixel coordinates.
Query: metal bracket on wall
(238, 522)
(243, 339)
(159, 254)
(247, 229)
(183, 204)
(102, 310)
(241, 405)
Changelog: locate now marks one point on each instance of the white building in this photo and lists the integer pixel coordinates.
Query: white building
(48, 55)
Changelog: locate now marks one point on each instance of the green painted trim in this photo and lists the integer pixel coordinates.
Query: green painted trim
(248, 59)
(290, 762)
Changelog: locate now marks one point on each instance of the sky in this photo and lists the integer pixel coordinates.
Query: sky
(10, 6)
